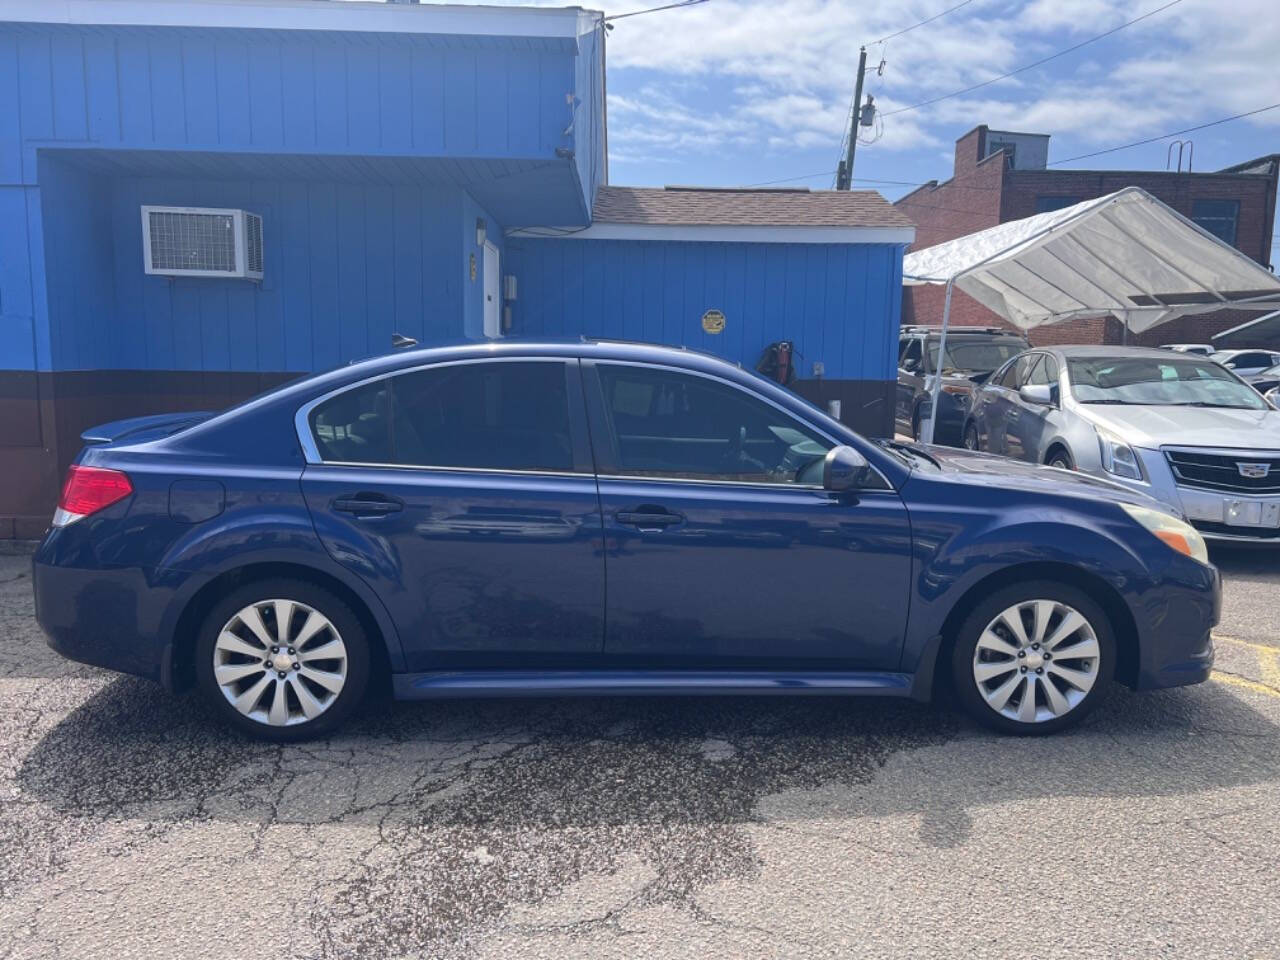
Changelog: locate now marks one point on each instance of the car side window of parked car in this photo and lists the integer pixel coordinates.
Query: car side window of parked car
(664, 423)
(1005, 376)
(911, 354)
(501, 415)
(1024, 367)
(1044, 373)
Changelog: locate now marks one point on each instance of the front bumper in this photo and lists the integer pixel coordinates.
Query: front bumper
(1216, 514)
(1175, 624)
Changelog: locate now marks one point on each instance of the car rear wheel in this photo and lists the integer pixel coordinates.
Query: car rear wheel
(1034, 658)
(971, 441)
(282, 660)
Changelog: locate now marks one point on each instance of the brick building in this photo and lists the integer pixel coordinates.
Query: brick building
(1001, 176)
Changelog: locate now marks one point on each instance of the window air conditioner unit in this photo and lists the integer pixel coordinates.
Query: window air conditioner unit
(202, 242)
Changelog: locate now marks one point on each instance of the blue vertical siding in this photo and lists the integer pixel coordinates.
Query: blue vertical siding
(366, 94)
(840, 304)
(346, 264)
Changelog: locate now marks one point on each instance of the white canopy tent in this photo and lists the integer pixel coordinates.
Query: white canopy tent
(1126, 255)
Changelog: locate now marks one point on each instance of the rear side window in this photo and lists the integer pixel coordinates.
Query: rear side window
(354, 427)
(496, 416)
(670, 424)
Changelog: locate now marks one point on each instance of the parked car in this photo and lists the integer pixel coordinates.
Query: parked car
(1246, 363)
(1183, 429)
(1199, 349)
(600, 518)
(1265, 381)
(972, 353)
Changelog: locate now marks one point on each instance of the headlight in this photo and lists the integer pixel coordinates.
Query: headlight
(1178, 534)
(1118, 457)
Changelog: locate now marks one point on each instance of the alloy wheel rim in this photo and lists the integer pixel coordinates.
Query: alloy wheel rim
(280, 662)
(1036, 661)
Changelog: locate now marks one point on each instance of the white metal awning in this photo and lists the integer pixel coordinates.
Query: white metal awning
(1125, 254)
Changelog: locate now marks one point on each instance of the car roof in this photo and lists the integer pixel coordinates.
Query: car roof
(1102, 350)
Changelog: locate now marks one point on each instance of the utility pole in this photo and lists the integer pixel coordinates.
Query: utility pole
(844, 177)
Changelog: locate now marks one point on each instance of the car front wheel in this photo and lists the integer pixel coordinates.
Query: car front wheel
(971, 441)
(282, 660)
(1034, 658)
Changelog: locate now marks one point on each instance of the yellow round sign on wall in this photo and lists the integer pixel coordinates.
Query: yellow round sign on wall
(713, 321)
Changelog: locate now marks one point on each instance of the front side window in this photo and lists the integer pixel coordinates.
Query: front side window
(1045, 373)
(490, 416)
(1218, 217)
(664, 423)
(910, 355)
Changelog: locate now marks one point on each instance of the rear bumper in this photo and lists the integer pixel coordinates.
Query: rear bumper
(99, 617)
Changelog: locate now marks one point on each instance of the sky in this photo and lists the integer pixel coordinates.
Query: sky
(745, 92)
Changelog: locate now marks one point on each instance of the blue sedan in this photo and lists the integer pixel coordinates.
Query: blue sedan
(600, 518)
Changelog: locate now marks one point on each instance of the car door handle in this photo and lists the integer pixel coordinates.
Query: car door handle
(649, 520)
(368, 504)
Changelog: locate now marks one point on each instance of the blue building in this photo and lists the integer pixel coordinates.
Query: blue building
(202, 198)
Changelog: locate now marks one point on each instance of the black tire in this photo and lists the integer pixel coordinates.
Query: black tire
(915, 424)
(964, 652)
(1061, 459)
(336, 611)
(971, 441)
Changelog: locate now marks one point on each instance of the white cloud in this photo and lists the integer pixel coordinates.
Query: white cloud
(776, 76)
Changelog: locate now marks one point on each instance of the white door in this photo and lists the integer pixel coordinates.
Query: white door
(492, 300)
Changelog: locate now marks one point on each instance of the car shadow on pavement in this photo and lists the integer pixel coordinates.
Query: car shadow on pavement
(489, 805)
(614, 762)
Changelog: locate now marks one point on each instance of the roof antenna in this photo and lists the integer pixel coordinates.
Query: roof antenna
(399, 341)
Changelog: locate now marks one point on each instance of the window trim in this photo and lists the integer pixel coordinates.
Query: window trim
(597, 422)
(311, 452)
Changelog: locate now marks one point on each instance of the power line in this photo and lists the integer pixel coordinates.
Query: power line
(1165, 136)
(1036, 63)
(936, 16)
(883, 40)
(668, 6)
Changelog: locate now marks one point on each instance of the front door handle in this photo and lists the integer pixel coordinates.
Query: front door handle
(368, 504)
(648, 519)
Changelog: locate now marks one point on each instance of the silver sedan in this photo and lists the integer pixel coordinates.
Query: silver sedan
(1180, 428)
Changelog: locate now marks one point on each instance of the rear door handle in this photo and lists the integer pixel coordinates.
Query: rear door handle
(368, 504)
(649, 520)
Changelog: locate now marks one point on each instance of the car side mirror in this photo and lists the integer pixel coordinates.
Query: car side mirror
(844, 469)
(1040, 394)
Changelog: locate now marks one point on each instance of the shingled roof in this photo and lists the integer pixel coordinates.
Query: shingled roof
(744, 207)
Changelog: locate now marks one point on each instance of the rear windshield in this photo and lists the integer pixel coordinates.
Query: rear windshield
(976, 356)
(1177, 381)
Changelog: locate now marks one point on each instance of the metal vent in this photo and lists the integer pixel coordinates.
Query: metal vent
(202, 242)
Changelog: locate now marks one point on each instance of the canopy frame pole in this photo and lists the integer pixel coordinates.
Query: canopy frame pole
(935, 391)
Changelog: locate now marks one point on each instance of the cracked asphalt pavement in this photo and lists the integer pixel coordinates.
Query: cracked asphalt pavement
(133, 826)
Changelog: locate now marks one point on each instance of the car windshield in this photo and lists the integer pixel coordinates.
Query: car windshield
(1177, 381)
(979, 356)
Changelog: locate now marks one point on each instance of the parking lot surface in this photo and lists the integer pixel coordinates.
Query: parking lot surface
(132, 826)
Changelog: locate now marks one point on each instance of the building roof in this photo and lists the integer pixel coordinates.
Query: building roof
(742, 207)
(367, 17)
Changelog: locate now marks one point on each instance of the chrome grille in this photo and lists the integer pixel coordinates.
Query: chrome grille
(1221, 471)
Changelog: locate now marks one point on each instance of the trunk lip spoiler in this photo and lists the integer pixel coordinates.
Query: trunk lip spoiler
(116, 430)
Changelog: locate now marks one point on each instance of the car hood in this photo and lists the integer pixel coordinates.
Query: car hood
(1154, 426)
(967, 466)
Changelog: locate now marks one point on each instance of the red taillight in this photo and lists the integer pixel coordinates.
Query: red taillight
(88, 490)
